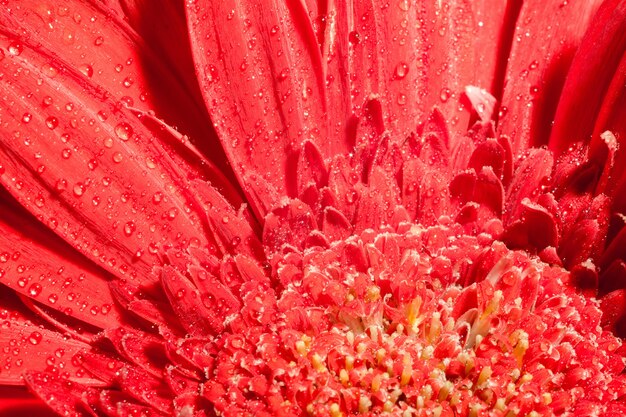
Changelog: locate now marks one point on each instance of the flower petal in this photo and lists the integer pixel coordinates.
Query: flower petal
(27, 347)
(104, 183)
(65, 397)
(97, 41)
(39, 265)
(411, 54)
(541, 55)
(592, 70)
(260, 73)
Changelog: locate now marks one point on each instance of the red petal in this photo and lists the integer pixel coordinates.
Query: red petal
(289, 224)
(590, 76)
(39, 265)
(102, 183)
(194, 312)
(370, 50)
(32, 348)
(106, 50)
(64, 397)
(546, 37)
(530, 174)
(17, 401)
(260, 74)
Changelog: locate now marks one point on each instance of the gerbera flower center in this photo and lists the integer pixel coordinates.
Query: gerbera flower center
(418, 321)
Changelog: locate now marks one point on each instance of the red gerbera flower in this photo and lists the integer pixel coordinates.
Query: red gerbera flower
(410, 208)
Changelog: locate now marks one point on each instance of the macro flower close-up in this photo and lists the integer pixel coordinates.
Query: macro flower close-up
(299, 208)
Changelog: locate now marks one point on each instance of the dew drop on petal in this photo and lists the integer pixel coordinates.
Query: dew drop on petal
(87, 70)
(35, 338)
(79, 189)
(123, 131)
(15, 48)
(402, 69)
(52, 122)
(117, 157)
(444, 95)
(35, 290)
(129, 228)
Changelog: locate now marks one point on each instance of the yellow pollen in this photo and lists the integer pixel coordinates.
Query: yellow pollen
(349, 362)
(301, 347)
(376, 382)
(380, 355)
(407, 369)
(364, 405)
(373, 294)
(344, 377)
(335, 411)
(484, 375)
(318, 363)
(547, 398)
(445, 391)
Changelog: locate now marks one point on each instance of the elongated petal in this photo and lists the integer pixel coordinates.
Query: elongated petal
(592, 71)
(39, 265)
(105, 183)
(260, 73)
(95, 39)
(27, 347)
(541, 55)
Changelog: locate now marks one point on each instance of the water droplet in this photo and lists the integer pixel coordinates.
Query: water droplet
(27, 117)
(212, 74)
(39, 201)
(402, 69)
(35, 290)
(52, 122)
(150, 163)
(129, 228)
(354, 38)
(98, 41)
(274, 30)
(444, 95)
(283, 74)
(79, 189)
(172, 213)
(15, 48)
(404, 5)
(87, 70)
(123, 131)
(117, 157)
(53, 298)
(49, 71)
(61, 185)
(157, 197)
(66, 153)
(35, 338)
(128, 82)
(401, 99)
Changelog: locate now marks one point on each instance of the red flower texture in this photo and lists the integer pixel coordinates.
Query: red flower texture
(233, 208)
